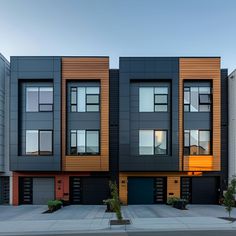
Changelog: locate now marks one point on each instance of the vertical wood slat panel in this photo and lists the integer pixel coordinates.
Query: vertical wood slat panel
(201, 69)
(87, 68)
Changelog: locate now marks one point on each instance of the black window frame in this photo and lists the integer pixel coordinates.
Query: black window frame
(161, 94)
(163, 130)
(85, 153)
(39, 103)
(86, 103)
(39, 151)
(198, 146)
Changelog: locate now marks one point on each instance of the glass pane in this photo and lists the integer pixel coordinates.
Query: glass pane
(194, 99)
(186, 107)
(45, 107)
(73, 144)
(81, 141)
(73, 95)
(205, 107)
(161, 108)
(204, 142)
(205, 98)
(45, 142)
(32, 99)
(46, 95)
(92, 90)
(186, 151)
(186, 97)
(146, 142)
(94, 108)
(32, 142)
(161, 90)
(186, 138)
(205, 90)
(92, 99)
(92, 140)
(160, 142)
(81, 99)
(146, 103)
(73, 108)
(194, 142)
(161, 99)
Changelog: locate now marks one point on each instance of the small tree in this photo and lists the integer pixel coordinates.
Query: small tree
(229, 197)
(115, 201)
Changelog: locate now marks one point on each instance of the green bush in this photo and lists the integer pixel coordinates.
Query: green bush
(54, 205)
(172, 200)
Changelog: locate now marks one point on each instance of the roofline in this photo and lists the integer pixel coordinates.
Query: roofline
(4, 59)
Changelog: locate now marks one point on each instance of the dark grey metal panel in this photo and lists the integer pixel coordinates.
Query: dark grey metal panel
(43, 190)
(147, 70)
(38, 70)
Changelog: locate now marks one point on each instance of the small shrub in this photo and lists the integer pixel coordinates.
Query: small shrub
(172, 200)
(54, 205)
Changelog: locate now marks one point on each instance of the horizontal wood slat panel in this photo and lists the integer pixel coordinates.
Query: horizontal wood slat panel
(201, 69)
(94, 69)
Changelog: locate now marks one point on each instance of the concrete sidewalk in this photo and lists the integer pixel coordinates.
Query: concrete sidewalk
(102, 225)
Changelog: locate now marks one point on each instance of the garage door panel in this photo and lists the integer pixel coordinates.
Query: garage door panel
(43, 190)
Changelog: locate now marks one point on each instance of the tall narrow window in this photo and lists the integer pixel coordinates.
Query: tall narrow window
(84, 142)
(32, 147)
(85, 99)
(146, 99)
(146, 142)
(32, 99)
(45, 144)
(197, 142)
(186, 99)
(161, 98)
(160, 142)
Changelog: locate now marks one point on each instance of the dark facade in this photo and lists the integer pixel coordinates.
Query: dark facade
(156, 125)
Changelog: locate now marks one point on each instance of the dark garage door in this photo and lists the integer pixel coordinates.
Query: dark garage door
(205, 190)
(146, 190)
(200, 190)
(89, 190)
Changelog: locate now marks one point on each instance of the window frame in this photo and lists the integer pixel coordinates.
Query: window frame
(86, 95)
(85, 153)
(154, 141)
(38, 133)
(39, 103)
(189, 147)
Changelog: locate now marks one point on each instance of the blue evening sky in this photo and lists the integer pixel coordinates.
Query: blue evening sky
(119, 28)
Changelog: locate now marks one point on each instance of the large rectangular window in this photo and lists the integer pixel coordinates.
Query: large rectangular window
(153, 142)
(153, 99)
(197, 99)
(39, 99)
(39, 142)
(197, 142)
(85, 99)
(84, 142)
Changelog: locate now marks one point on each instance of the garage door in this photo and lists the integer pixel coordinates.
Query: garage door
(89, 190)
(200, 190)
(43, 190)
(146, 190)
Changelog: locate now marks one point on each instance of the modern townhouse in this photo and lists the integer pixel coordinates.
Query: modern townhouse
(158, 126)
(5, 175)
(170, 142)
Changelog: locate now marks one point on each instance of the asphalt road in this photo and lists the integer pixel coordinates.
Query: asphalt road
(158, 233)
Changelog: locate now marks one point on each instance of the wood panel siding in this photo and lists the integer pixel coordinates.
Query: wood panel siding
(87, 69)
(201, 69)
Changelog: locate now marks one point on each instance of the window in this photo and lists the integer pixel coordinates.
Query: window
(85, 99)
(39, 142)
(197, 99)
(152, 142)
(39, 99)
(197, 142)
(84, 142)
(153, 99)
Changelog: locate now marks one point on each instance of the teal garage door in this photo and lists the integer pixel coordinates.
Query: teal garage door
(140, 190)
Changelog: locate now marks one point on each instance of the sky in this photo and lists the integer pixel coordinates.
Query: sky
(117, 28)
